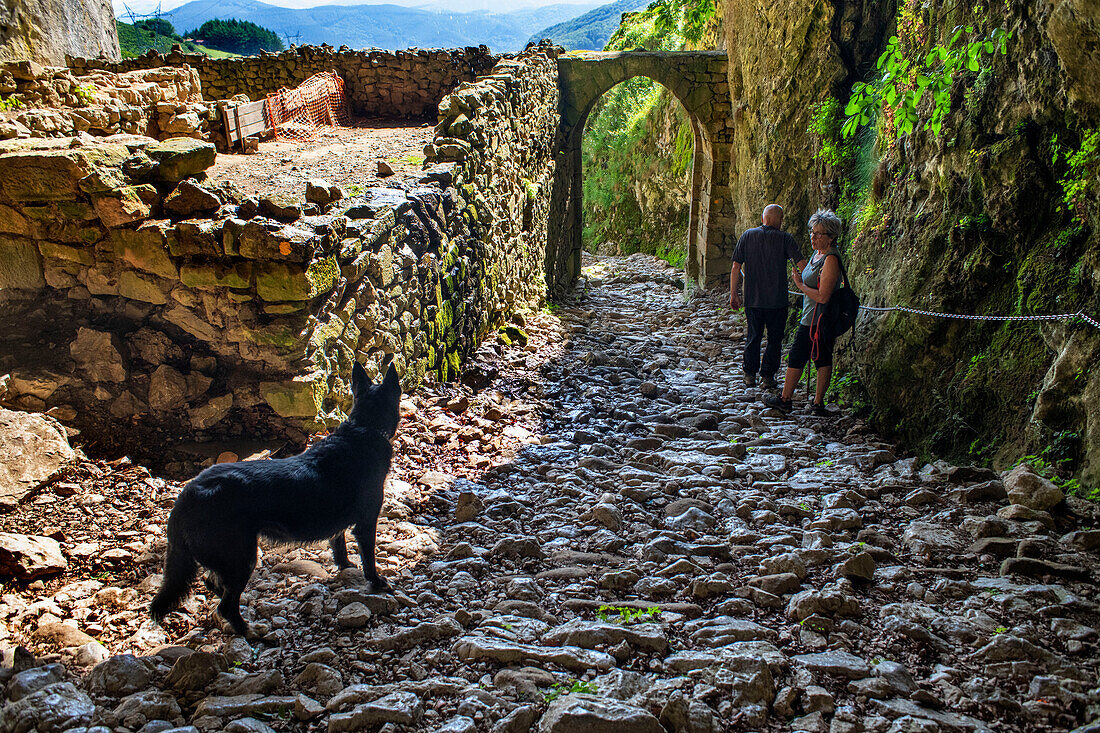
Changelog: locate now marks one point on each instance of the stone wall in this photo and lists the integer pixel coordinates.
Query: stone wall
(388, 84)
(46, 31)
(143, 306)
(501, 135)
(54, 102)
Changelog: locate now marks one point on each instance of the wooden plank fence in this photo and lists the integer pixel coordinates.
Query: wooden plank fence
(243, 121)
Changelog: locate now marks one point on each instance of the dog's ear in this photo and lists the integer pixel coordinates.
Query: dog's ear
(392, 382)
(359, 379)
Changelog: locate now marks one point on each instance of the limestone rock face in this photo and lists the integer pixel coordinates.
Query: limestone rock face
(775, 77)
(46, 30)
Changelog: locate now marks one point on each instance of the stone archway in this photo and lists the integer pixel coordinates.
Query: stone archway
(698, 80)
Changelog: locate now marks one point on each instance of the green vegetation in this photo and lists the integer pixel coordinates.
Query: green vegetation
(686, 18)
(565, 688)
(159, 26)
(137, 39)
(625, 615)
(1079, 184)
(1055, 461)
(237, 36)
(638, 145)
(852, 160)
(86, 94)
(13, 101)
(906, 72)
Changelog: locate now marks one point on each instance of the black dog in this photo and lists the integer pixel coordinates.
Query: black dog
(313, 496)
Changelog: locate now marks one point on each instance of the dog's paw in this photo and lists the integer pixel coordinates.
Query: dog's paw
(232, 629)
(380, 586)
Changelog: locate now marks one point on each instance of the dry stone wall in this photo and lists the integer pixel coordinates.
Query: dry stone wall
(54, 102)
(388, 84)
(142, 305)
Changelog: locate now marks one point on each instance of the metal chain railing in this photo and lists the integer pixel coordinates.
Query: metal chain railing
(965, 317)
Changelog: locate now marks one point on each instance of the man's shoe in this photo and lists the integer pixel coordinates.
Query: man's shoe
(818, 410)
(774, 400)
(750, 380)
(768, 382)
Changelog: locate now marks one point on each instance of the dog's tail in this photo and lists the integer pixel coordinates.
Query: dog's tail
(180, 569)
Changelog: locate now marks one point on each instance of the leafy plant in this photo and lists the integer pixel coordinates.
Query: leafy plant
(13, 101)
(559, 689)
(902, 82)
(687, 18)
(1083, 169)
(625, 615)
(825, 124)
(85, 94)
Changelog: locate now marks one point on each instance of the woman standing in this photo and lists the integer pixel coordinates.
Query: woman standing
(817, 281)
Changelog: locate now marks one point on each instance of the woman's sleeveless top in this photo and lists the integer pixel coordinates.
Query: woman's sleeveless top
(811, 275)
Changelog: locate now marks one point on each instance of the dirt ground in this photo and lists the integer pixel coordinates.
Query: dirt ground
(344, 156)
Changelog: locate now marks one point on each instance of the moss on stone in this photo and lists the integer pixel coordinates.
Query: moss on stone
(301, 397)
(278, 281)
(212, 276)
(134, 286)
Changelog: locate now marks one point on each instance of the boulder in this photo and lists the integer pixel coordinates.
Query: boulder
(99, 354)
(1027, 488)
(583, 713)
(33, 448)
(58, 707)
(25, 557)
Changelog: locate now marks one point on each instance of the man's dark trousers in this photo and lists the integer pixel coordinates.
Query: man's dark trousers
(759, 319)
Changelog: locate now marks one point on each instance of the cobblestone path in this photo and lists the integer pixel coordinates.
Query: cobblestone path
(613, 534)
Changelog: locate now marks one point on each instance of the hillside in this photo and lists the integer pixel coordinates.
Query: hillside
(136, 41)
(591, 31)
(389, 27)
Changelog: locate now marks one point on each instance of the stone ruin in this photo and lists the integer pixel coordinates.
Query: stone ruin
(144, 306)
(55, 102)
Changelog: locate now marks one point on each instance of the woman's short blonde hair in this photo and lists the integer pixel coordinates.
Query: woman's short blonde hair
(828, 219)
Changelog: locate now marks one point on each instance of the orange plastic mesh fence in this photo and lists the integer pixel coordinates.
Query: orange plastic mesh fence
(297, 114)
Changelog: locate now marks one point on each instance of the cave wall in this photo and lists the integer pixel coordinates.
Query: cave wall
(45, 31)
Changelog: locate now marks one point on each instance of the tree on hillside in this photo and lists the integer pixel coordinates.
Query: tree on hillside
(237, 36)
(157, 25)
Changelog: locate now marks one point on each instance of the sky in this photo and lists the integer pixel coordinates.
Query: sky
(141, 7)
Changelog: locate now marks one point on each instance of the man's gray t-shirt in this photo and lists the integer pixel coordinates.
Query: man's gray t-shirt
(763, 253)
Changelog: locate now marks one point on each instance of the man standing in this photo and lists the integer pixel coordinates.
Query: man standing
(762, 254)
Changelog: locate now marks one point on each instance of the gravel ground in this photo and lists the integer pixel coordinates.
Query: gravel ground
(344, 156)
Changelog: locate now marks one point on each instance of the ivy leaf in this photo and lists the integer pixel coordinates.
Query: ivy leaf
(972, 64)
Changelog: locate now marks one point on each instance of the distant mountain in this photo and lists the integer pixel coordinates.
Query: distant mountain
(591, 31)
(390, 27)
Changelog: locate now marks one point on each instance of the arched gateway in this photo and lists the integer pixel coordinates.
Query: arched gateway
(698, 80)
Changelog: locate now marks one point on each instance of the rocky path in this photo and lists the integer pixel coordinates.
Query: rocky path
(610, 533)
